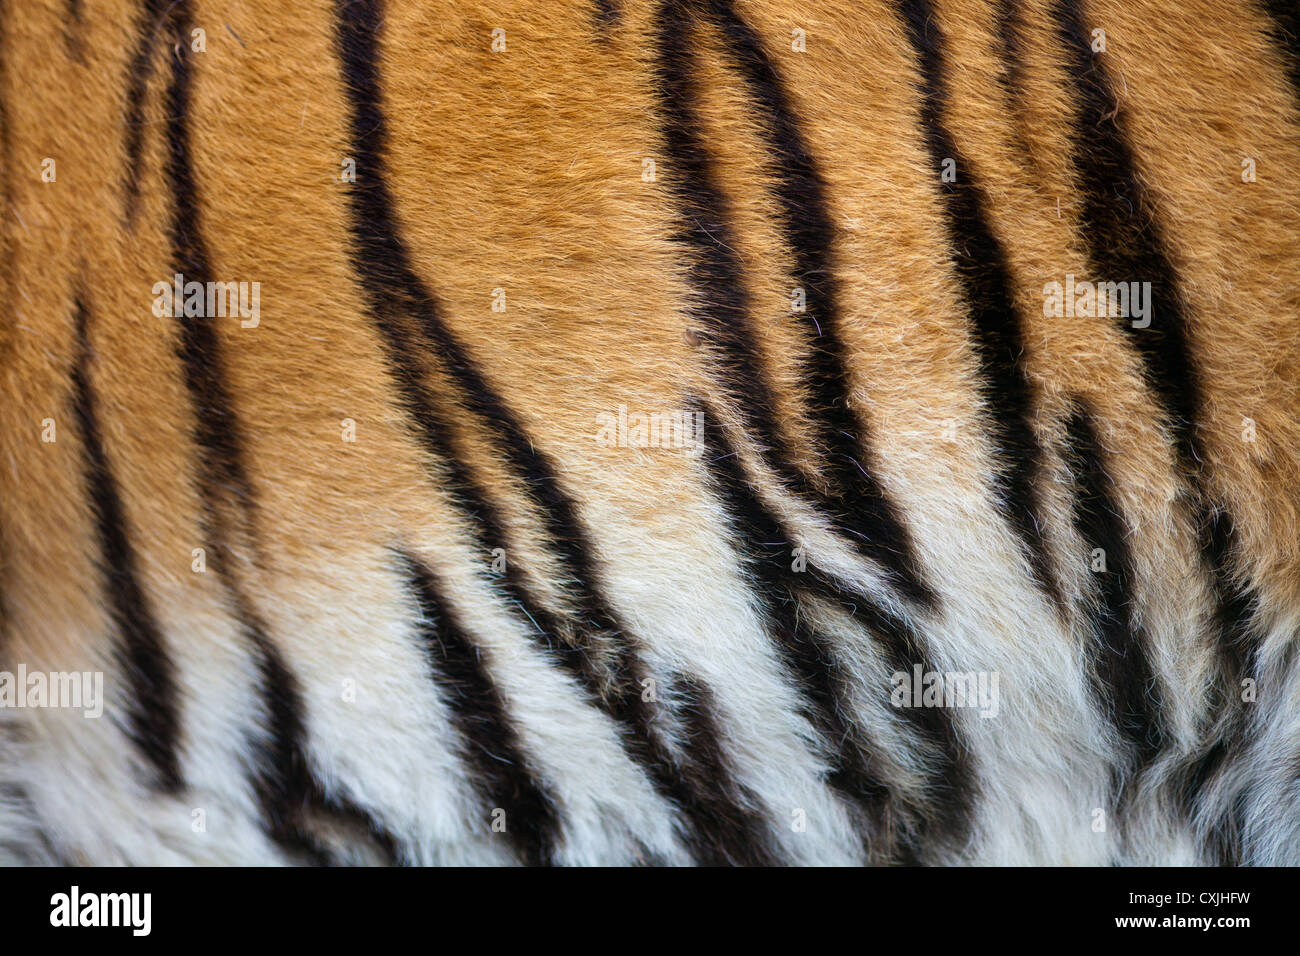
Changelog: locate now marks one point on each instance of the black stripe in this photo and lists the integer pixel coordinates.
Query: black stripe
(894, 829)
(805, 221)
(199, 346)
(987, 287)
(1125, 243)
(292, 800)
(406, 315)
(1126, 687)
(1123, 238)
(1284, 29)
(295, 807)
(732, 806)
(1010, 28)
(153, 710)
(153, 14)
(861, 512)
(491, 744)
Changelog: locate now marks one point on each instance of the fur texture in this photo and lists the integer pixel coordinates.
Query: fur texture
(436, 620)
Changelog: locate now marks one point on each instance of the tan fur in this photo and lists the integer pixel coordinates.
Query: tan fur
(521, 171)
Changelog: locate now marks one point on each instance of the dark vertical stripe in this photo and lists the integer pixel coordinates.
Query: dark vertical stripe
(735, 810)
(199, 347)
(895, 831)
(406, 315)
(1123, 239)
(987, 287)
(153, 14)
(1126, 686)
(1125, 242)
(490, 742)
(292, 800)
(806, 225)
(154, 722)
(855, 501)
(1010, 27)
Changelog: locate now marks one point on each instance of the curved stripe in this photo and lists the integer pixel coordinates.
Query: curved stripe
(827, 690)
(1125, 242)
(490, 742)
(153, 717)
(292, 799)
(406, 315)
(987, 287)
(1125, 683)
(856, 503)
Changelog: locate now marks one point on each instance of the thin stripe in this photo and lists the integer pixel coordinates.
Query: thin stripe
(865, 511)
(858, 507)
(153, 14)
(153, 712)
(490, 742)
(292, 800)
(987, 288)
(406, 315)
(827, 690)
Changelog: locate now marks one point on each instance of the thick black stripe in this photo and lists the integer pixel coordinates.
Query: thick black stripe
(857, 503)
(1123, 238)
(153, 710)
(733, 807)
(491, 744)
(1125, 243)
(292, 800)
(1126, 687)
(987, 286)
(407, 317)
(826, 689)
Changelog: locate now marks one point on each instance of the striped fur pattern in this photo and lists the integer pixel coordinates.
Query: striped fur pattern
(365, 585)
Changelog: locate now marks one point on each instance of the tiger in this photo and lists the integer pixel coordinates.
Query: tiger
(650, 433)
